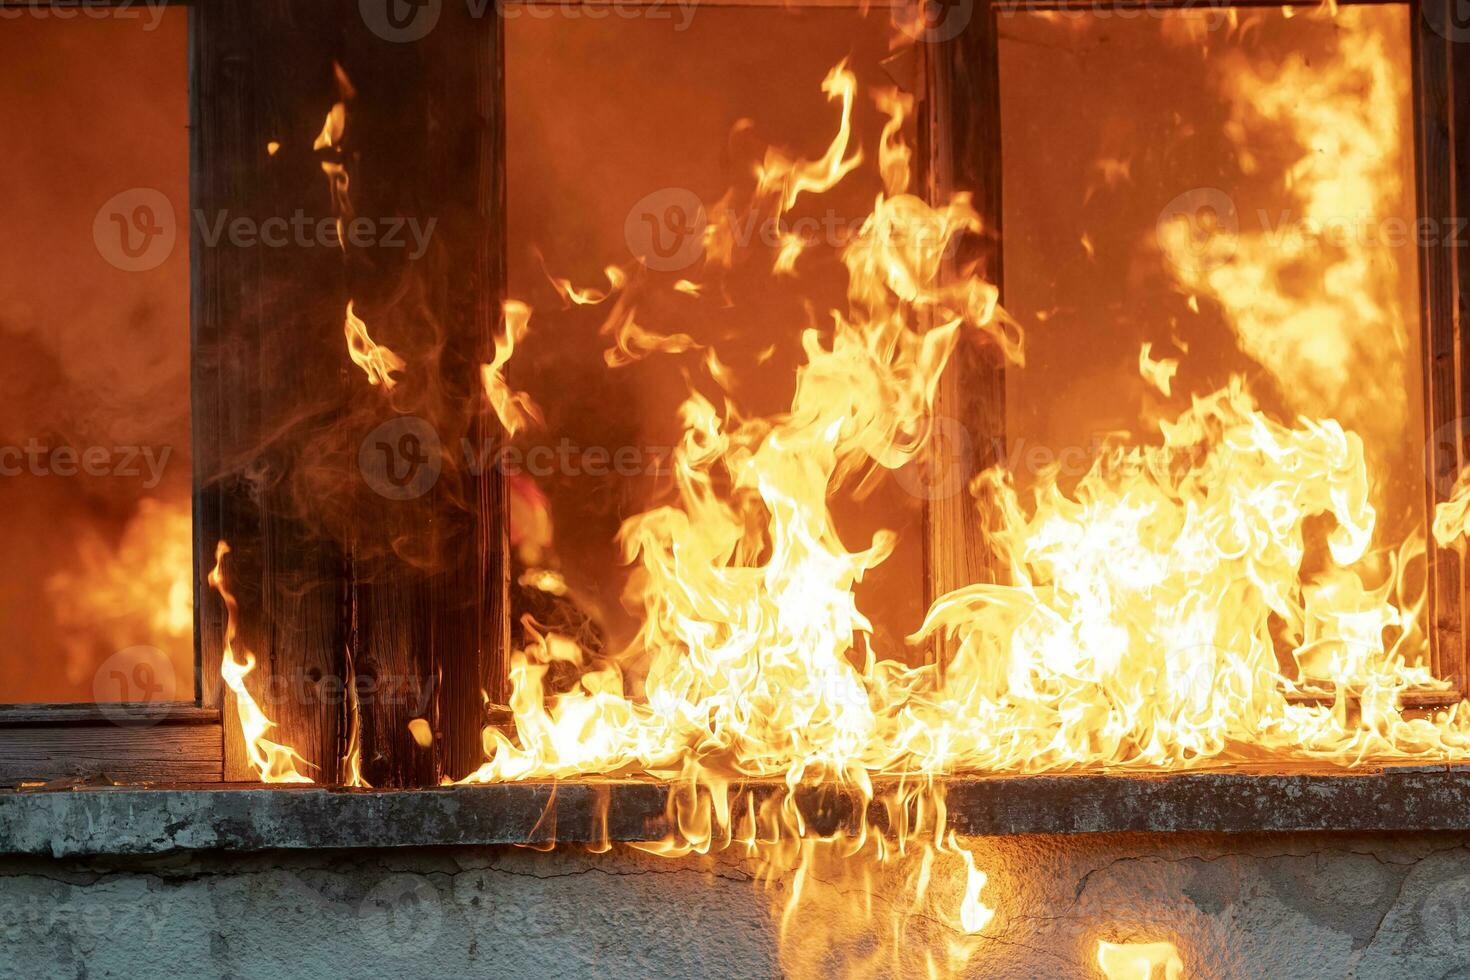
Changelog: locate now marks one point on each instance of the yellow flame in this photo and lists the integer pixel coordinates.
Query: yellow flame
(792, 178)
(274, 763)
(377, 362)
(1334, 338)
(1139, 961)
(1163, 611)
(515, 410)
(1159, 373)
(138, 589)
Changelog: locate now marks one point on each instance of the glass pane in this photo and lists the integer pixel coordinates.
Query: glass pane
(1234, 190)
(677, 115)
(96, 587)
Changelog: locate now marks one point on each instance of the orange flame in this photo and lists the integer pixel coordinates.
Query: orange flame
(377, 362)
(274, 762)
(1139, 961)
(515, 409)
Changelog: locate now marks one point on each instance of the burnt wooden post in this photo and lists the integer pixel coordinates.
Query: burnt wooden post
(1442, 166)
(373, 589)
(431, 572)
(266, 367)
(963, 154)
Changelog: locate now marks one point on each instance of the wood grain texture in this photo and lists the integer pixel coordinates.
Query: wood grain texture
(1440, 271)
(268, 370)
(162, 753)
(429, 596)
(356, 602)
(51, 715)
(963, 154)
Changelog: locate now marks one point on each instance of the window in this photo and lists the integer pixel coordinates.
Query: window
(370, 536)
(96, 598)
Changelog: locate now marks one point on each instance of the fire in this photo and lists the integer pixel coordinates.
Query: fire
(274, 762)
(138, 590)
(1139, 961)
(515, 410)
(1214, 590)
(377, 362)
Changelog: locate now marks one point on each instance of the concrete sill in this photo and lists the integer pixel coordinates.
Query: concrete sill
(241, 818)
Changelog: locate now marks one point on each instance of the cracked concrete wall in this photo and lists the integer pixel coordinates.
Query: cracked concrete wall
(1267, 906)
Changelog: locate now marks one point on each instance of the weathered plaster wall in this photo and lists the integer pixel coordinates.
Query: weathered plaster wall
(1308, 906)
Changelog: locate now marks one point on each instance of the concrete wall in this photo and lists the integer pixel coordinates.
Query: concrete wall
(1306, 906)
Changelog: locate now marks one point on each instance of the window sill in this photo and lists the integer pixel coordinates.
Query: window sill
(240, 818)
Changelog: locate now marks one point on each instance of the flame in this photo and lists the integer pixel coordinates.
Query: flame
(515, 409)
(274, 763)
(617, 279)
(332, 129)
(137, 590)
(1211, 589)
(1160, 613)
(377, 362)
(791, 178)
(1139, 961)
(1159, 373)
(1335, 338)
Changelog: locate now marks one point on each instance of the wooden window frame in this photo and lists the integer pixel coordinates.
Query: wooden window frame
(260, 71)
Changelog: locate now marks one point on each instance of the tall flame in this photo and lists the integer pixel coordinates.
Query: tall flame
(377, 362)
(1215, 590)
(515, 409)
(275, 763)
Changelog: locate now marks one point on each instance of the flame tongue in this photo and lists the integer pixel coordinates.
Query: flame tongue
(274, 762)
